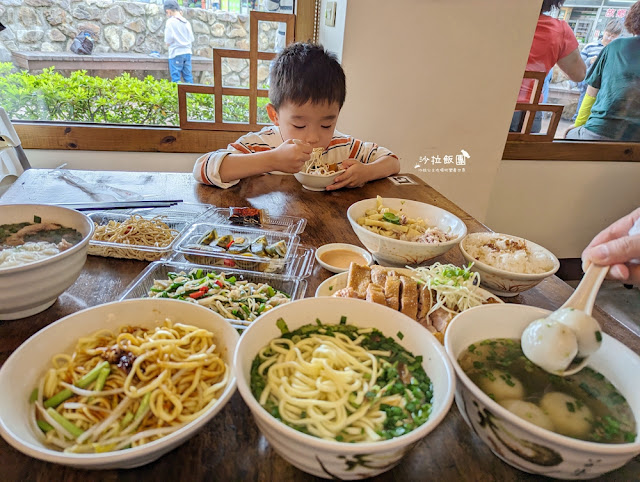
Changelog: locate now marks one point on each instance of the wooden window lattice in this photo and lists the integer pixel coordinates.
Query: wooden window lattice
(530, 110)
(218, 90)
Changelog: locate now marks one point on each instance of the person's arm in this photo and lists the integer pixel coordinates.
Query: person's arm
(168, 32)
(365, 161)
(573, 66)
(587, 103)
(289, 156)
(616, 248)
(357, 173)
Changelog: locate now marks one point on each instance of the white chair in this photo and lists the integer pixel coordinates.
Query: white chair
(13, 160)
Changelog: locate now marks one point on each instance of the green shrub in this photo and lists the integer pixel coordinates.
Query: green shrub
(122, 100)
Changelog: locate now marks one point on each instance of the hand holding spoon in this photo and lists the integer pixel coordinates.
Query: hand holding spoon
(562, 342)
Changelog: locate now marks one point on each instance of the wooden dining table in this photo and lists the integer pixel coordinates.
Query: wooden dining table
(230, 447)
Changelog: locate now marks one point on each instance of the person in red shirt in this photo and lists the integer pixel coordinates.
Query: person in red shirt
(553, 43)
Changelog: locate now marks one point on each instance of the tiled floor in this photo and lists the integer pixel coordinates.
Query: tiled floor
(620, 302)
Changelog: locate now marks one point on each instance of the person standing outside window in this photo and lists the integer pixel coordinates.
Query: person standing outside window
(179, 37)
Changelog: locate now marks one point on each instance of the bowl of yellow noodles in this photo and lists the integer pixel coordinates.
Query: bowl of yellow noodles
(342, 388)
(117, 385)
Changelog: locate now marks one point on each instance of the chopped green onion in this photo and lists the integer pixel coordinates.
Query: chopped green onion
(44, 426)
(282, 326)
(84, 382)
(66, 424)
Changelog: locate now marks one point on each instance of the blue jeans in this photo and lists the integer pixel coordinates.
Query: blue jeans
(181, 65)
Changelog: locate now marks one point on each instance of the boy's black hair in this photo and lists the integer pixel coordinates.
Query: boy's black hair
(306, 72)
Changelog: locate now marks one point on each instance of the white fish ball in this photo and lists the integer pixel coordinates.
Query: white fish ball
(549, 344)
(570, 416)
(530, 412)
(585, 327)
(501, 385)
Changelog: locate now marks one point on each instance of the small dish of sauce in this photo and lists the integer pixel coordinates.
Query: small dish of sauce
(337, 257)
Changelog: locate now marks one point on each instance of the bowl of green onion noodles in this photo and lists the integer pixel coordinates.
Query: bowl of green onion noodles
(342, 388)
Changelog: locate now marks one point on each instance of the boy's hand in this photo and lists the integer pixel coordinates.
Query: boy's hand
(291, 155)
(354, 176)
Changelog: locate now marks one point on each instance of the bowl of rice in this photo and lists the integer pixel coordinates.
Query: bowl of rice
(401, 232)
(508, 265)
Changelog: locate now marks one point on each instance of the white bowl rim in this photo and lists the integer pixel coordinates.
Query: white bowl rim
(50, 455)
(505, 273)
(56, 257)
(346, 447)
(356, 227)
(574, 443)
(321, 176)
(346, 246)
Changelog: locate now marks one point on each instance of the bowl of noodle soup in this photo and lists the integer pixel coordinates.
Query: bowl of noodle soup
(31, 281)
(198, 342)
(339, 431)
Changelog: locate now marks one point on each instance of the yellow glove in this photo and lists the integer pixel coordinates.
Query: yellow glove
(585, 110)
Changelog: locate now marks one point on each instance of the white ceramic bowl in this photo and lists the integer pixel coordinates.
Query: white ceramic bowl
(330, 459)
(352, 248)
(316, 182)
(502, 282)
(29, 362)
(564, 457)
(395, 252)
(31, 288)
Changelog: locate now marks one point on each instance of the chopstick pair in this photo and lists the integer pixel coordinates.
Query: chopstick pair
(100, 206)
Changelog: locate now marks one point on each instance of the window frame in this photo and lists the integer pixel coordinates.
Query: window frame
(137, 138)
(127, 138)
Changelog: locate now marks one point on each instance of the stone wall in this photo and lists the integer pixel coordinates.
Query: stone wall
(127, 26)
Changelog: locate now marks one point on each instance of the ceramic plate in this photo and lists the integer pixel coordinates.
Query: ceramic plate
(339, 281)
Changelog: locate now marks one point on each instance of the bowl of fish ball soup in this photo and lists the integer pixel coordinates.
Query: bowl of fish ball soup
(400, 232)
(42, 251)
(368, 383)
(575, 427)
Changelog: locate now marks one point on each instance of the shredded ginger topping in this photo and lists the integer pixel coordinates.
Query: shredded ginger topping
(456, 288)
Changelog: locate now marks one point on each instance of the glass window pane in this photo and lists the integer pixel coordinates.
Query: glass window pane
(269, 33)
(235, 72)
(588, 24)
(235, 108)
(264, 67)
(126, 79)
(201, 107)
(263, 117)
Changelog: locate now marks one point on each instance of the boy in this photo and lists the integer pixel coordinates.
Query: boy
(179, 37)
(307, 91)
